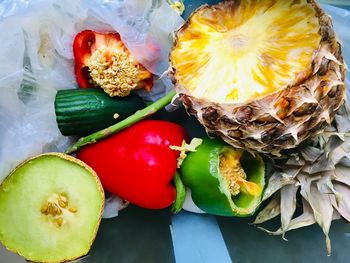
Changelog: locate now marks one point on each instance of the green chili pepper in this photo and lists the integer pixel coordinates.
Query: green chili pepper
(223, 180)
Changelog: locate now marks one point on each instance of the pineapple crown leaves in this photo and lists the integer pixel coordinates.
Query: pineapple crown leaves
(320, 171)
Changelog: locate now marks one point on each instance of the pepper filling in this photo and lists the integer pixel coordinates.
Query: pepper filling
(233, 173)
(56, 208)
(115, 71)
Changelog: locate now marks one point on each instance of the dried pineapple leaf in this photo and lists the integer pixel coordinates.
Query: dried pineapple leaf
(324, 184)
(274, 233)
(340, 155)
(278, 180)
(288, 206)
(341, 136)
(342, 174)
(342, 120)
(296, 161)
(321, 205)
(345, 162)
(333, 143)
(311, 154)
(322, 165)
(305, 219)
(270, 211)
(322, 140)
(342, 205)
(322, 170)
(343, 111)
(337, 194)
(336, 215)
(346, 144)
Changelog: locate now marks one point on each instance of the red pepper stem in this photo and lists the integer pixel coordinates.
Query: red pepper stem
(136, 117)
(180, 194)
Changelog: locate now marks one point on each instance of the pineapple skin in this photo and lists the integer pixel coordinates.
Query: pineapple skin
(284, 119)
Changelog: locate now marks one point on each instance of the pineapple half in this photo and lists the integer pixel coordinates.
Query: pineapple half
(263, 75)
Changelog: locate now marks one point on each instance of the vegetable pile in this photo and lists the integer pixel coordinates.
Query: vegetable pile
(263, 103)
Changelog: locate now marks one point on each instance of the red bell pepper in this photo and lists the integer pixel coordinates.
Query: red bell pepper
(87, 42)
(137, 164)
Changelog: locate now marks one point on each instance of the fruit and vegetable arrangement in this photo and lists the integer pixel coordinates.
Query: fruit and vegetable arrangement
(266, 80)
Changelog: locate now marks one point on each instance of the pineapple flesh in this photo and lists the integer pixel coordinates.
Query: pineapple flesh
(263, 75)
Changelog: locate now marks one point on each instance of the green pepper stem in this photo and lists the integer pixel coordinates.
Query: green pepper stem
(137, 116)
(180, 193)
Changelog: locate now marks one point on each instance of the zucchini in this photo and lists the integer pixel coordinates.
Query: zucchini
(84, 111)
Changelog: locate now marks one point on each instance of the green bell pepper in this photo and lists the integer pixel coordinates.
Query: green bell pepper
(223, 180)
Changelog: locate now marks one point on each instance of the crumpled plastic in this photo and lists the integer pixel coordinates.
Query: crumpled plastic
(113, 204)
(37, 60)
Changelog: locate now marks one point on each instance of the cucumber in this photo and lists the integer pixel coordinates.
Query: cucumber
(84, 111)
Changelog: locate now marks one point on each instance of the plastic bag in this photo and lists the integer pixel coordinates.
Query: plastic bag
(37, 60)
